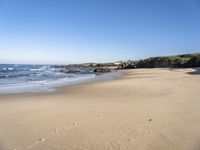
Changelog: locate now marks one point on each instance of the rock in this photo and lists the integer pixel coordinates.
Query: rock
(101, 70)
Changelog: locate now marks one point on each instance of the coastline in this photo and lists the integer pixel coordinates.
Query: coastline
(149, 109)
(53, 86)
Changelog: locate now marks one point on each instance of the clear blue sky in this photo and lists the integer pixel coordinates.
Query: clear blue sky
(76, 31)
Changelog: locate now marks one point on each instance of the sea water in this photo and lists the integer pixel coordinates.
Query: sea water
(45, 78)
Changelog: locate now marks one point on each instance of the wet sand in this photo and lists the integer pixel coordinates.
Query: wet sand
(147, 109)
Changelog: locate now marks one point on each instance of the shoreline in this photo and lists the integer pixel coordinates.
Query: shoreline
(51, 87)
(146, 109)
(119, 74)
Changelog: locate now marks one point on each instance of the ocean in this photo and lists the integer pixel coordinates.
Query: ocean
(45, 78)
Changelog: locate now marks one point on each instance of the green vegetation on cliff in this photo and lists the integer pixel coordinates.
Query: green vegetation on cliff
(177, 61)
(182, 61)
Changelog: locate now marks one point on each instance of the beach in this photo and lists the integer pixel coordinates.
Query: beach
(146, 109)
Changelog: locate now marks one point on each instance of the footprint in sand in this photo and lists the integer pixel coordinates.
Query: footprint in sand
(57, 130)
(98, 116)
(68, 127)
(42, 140)
(71, 126)
(52, 134)
(37, 142)
(74, 124)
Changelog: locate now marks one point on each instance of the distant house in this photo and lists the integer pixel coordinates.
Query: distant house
(117, 63)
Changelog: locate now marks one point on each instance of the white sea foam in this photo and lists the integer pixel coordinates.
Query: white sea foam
(51, 86)
(7, 69)
(40, 69)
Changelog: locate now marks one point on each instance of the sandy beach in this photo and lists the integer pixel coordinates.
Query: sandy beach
(146, 109)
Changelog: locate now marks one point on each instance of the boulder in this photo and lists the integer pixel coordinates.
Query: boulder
(101, 70)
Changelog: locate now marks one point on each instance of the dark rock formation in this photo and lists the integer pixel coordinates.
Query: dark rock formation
(179, 61)
(102, 70)
(194, 61)
(127, 65)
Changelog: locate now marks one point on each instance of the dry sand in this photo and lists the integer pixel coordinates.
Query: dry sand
(147, 109)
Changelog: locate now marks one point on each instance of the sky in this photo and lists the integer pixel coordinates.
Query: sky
(79, 31)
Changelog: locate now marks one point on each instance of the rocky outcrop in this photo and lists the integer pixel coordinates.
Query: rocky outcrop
(127, 65)
(179, 61)
(102, 70)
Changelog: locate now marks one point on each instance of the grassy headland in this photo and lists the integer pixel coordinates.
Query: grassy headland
(178, 61)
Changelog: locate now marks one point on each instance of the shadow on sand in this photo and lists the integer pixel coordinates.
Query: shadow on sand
(196, 72)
